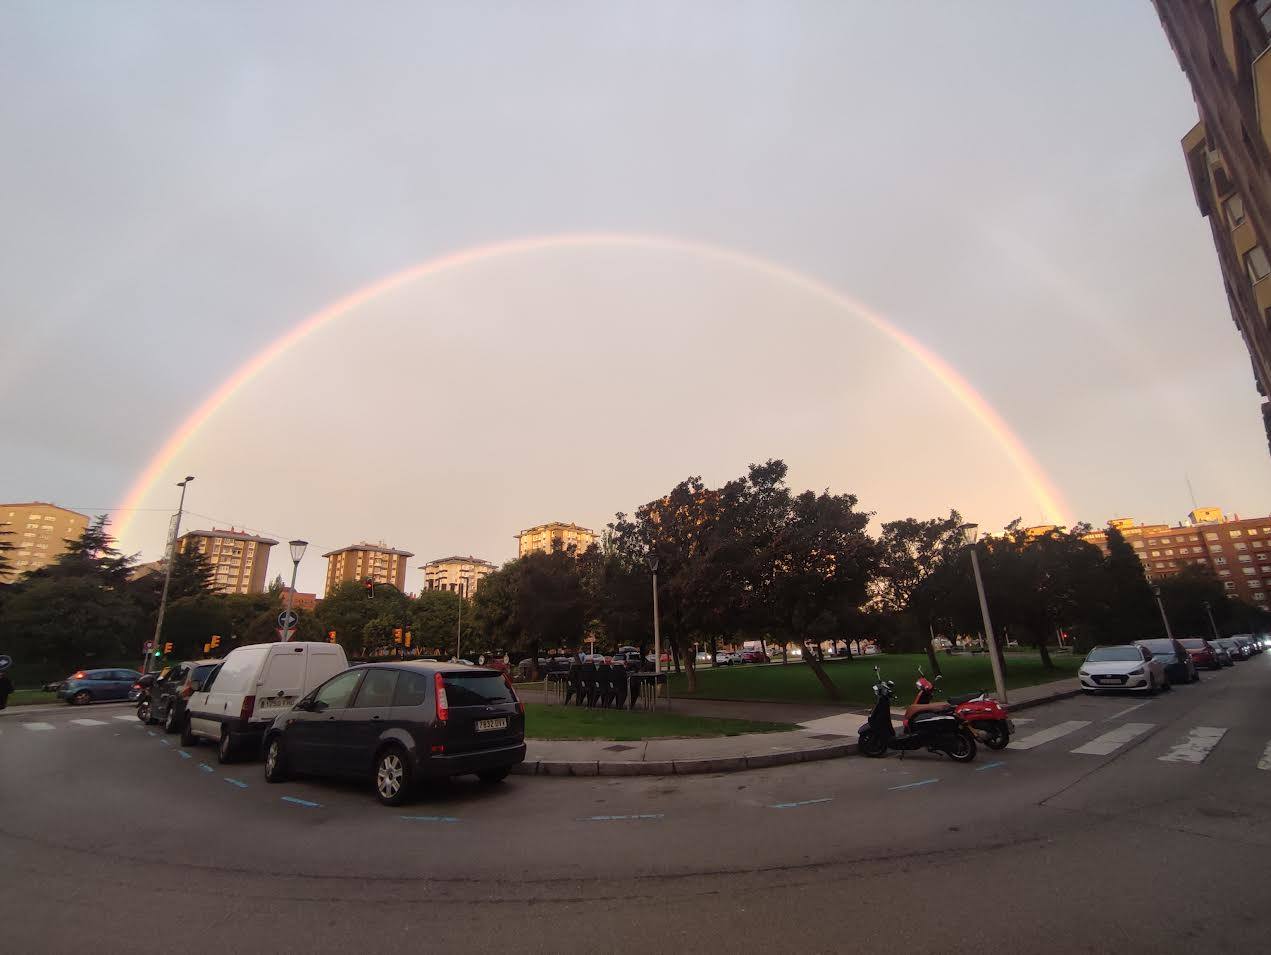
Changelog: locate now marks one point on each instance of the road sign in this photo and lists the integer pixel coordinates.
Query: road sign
(147, 646)
(287, 619)
(284, 635)
(5, 662)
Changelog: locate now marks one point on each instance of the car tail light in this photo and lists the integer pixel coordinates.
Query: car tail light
(187, 691)
(443, 705)
(78, 675)
(520, 707)
(249, 705)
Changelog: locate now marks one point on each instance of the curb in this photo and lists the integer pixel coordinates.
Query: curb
(1029, 704)
(681, 767)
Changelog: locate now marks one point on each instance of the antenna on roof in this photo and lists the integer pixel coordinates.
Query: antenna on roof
(1190, 490)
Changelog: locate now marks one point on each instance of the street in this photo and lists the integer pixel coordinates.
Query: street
(1111, 823)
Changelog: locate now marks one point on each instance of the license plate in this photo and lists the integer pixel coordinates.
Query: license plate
(1106, 679)
(484, 726)
(276, 702)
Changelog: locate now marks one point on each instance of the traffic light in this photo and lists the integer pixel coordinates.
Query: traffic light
(158, 653)
(216, 641)
(370, 588)
(407, 639)
(331, 635)
(167, 648)
(207, 648)
(397, 634)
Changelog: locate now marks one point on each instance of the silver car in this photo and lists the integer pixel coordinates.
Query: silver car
(1122, 667)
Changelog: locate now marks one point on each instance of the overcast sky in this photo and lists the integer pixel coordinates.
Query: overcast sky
(183, 183)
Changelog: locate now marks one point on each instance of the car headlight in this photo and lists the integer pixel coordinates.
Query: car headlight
(1082, 673)
(1138, 672)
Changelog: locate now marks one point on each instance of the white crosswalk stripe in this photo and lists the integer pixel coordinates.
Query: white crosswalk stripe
(89, 722)
(1048, 735)
(1265, 761)
(127, 718)
(39, 726)
(1198, 744)
(1113, 740)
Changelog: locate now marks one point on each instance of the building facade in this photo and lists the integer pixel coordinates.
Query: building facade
(555, 535)
(37, 533)
(1237, 551)
(461, 575)
(358, 562)
(240, 561)
(1224, 48)
(299, 600)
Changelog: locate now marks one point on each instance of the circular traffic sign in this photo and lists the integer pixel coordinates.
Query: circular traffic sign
(6, 661)
(287, 619)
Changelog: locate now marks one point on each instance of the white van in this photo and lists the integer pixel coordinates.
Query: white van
(254, 684)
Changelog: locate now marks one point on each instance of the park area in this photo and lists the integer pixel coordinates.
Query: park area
(854, 677)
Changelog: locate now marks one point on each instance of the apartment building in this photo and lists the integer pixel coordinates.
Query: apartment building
(1236, 550)
(357, 562)
(461, 575)
(36, 533)
(299, 600)
(1224, 48)
(555, 535)
(240, 561)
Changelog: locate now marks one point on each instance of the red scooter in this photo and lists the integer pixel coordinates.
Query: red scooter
(983, 715)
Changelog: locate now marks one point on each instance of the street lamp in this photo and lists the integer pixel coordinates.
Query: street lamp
(969, 534)
(1160, 605)
(657, 633)
(1210, 612)
(167, 572)
(297, 552)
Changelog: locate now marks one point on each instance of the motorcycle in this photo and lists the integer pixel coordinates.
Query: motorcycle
(985, 716)
(142, 688)
(938, 729)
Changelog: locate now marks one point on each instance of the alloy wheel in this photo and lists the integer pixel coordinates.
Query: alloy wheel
(388, 778)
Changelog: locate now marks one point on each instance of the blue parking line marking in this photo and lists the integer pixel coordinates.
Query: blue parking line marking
(980, 769)
(805, 802)
(163, 741)
(206, 768)
(431, 818)
(646, 815)
(184, 754)
(237, 782)
(921, 782)
(150, 732)
(302, 802)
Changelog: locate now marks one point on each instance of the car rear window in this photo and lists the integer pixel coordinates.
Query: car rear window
(1115, 655)
(476, 689)
(1194, 644)
(1158, 647)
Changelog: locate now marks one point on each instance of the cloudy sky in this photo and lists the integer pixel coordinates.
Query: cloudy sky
(185, 183)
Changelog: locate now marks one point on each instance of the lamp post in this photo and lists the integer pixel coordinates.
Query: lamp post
(1160, 605)
(1210, 612)
(459, 625)
(657, 633)
(969, 534)
(297, 552)
(167, 571)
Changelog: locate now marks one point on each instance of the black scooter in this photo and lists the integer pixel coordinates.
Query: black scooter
(939, 731)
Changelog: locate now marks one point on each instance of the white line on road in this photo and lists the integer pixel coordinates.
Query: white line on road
(39, 726)
(1199, 743)
(1265, 761)
(921, 782)
(1046, 736)
(1113, 740)
(805, 802)
(88, 722)
(128, 718)
(1129, 709)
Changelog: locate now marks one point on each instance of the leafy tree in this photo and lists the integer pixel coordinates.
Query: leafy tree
(71, 621)
(494, 616)
(910, 585)
(434, 615)
(347, 610)
(1184, 597)
(1123, 607)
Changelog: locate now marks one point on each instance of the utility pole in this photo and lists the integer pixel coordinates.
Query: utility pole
(969, 534)
(167, 572)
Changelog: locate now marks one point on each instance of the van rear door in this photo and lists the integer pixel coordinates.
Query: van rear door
(282, 681)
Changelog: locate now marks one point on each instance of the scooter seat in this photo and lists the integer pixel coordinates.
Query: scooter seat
(964, 698)
(930, 715)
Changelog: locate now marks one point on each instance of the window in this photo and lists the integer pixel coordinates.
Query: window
(1224, 573)
(1241, 546)
(1235, 533)
(1170, 552)
(1248, 570)
(1156, 553)
(1235, 210)
(1228, 585)
(1138, 544)
(1211, 536)
(464, 689)
(1197, 550)
(335, 693)
(1164, 540)
(377, 688)
(1257, 545)
(1259, 596)
(412, 688)
(1245, 558)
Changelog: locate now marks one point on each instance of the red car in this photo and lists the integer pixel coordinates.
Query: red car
(753, 656)
(1202, 653)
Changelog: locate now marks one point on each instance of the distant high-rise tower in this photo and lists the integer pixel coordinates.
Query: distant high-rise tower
(37, 533)
(1224, 47)
(555, 535)
(357, 562)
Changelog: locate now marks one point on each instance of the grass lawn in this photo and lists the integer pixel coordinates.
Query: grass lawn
(796, 682)
(25, 697)
(572, 722)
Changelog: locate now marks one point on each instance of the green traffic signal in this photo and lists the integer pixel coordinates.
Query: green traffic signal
(158, 653)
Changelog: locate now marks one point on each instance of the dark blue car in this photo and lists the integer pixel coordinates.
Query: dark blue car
(96, 686)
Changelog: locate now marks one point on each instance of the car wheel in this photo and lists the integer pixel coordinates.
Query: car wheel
(276, 768)
(392, 776)
(187, 732)
(492, 776)
(82, 698)
(227, 749)
(171, 720)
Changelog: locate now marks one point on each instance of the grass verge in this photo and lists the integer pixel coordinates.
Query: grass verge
(27, 697)
(572, 722)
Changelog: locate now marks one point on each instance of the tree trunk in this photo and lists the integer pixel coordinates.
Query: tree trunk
(811, 657)
(690, 668)
(1047, 663)
(675, 655)
(785, 653)
(931, 653)
(534, 674)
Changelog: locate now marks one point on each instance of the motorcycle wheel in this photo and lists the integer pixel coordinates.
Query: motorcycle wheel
(996, 735)
(143, 711)
(871, 744)
(962, 748)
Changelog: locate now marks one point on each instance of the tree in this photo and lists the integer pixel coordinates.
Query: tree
(434, 615)
(494, 610)
(347, 610)
(92, 555)
(910, 582)
(70, 621)
(1185, 596)
(1123, 608)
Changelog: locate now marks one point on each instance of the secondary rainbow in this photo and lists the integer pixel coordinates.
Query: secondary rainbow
(1046, 495)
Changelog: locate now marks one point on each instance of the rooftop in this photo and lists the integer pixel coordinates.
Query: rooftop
(373, 548)
(456, 559)
(231, 534)
(55, 507)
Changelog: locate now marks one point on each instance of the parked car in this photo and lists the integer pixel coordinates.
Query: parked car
(1246, 645)
(239, 700)
(175, 686)
(1230, 648)
(96, 686)
(1179, 667)
(1121, 667)
(753, 656)
(1203, 653)
(723, 658)
(395, 724)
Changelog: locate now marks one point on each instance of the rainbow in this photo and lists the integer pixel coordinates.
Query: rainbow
(1046, 495)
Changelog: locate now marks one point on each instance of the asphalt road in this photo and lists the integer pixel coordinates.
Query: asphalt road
(107, 826)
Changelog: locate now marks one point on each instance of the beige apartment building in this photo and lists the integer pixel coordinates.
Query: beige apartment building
(1236, 550)
(357, 562)
(556, 535)
(240, 561)
(459, 575)
(37, 533)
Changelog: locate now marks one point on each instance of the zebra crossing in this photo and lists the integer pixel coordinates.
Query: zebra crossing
(1193, 747)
